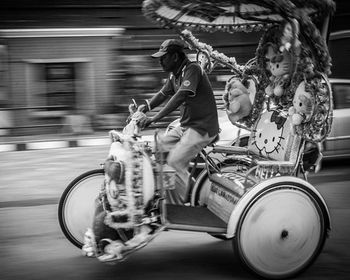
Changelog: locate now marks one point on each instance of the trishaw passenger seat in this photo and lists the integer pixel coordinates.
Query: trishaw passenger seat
(272, 139)
(273, 150)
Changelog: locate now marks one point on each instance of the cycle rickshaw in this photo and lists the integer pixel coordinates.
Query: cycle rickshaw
(259, 195)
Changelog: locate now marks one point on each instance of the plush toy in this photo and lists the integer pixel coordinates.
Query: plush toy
(237, 101)
(303, 105)
(279, 67)
(287, 37)
(281, 59)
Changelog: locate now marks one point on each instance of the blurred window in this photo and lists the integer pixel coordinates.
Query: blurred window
(60, 84)
(3, 75)
(341, 95)
(52, 88)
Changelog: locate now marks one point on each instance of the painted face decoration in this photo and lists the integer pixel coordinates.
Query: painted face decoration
(268, 135)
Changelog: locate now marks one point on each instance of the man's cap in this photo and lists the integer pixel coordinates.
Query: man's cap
(169, 46)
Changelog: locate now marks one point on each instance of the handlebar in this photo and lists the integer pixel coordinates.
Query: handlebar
(134, 102)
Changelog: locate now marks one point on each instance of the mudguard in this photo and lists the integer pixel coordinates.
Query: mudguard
(267, 185)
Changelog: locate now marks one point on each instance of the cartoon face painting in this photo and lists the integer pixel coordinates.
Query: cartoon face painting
(268, 134)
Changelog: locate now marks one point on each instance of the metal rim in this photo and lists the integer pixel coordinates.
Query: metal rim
(77, 205)
(281, 232)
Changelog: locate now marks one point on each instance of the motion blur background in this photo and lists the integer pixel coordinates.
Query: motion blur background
(68, 69)
(72, 66)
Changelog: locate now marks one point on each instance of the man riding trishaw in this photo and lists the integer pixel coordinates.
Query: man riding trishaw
(278, 221)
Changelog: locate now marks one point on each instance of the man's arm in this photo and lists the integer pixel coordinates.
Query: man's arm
(172, 105)
(155, 101)
(177, 99)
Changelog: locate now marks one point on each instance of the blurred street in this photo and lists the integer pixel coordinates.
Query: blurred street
(33, 246)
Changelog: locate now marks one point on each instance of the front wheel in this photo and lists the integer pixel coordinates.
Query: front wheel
(77, 205)
(281, 232)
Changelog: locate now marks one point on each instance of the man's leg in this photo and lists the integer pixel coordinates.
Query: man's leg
(190, 144)
(167, 142)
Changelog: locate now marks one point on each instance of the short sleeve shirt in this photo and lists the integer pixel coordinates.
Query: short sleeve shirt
(199, 110)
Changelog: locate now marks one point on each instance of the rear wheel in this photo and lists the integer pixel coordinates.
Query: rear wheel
(281, 232)
(77, 205)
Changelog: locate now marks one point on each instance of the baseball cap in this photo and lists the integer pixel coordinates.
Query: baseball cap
(169, 45)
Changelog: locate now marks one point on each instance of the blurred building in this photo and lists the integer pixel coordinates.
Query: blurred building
(71, 64)
(56, 74)
(74, 65)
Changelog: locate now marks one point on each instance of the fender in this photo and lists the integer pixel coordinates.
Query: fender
(260, 188)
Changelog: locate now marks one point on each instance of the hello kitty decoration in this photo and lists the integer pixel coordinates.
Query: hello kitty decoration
(290, 36)
(272, 136)
(282, 57)
(279, 66)
(317, 121)
(291, 63)
(303, 105)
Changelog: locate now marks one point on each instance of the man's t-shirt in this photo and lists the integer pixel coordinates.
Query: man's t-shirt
(199, 110)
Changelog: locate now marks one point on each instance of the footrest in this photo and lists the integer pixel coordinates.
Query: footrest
(194, 219)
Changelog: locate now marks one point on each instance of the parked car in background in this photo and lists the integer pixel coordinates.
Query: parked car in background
(229, 132)
(337, 144)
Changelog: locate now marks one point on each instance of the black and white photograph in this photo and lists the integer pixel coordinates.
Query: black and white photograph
(173, 139)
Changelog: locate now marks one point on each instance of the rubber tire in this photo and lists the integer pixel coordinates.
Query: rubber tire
(75, 238)
(316, 205)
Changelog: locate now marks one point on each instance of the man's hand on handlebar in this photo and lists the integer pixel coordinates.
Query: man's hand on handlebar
(133, 107)
(142, 108)
(144, 122)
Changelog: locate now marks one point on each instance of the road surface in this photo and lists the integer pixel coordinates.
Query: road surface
(33, 246)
